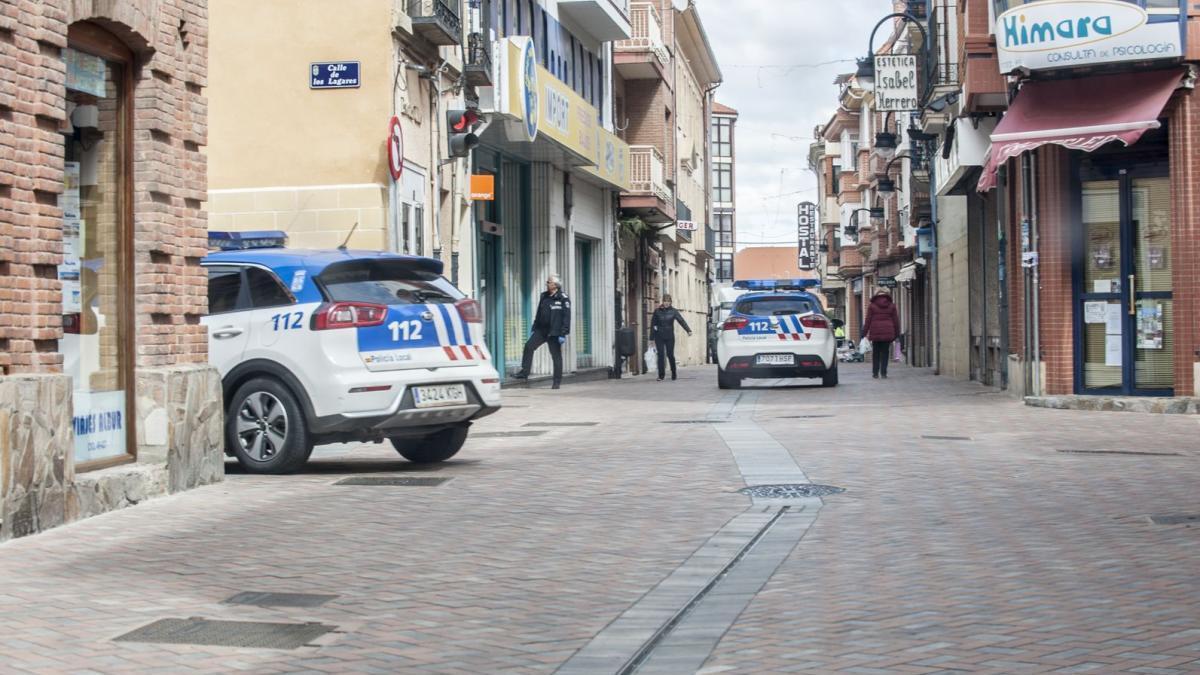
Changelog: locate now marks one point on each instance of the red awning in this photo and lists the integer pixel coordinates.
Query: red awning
(1082, 114)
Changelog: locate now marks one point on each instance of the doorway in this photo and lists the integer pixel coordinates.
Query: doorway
(1123, 287)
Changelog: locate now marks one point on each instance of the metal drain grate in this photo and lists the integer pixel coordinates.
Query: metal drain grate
(1135, 453)
(215, 633)
(947, 438)
(396, 481)
(507, 434)
(561, 424)
(1176, 519)
(279, 599)
(695, 421)
(791, 491)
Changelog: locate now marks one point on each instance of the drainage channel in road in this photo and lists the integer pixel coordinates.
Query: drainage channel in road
(677, 624)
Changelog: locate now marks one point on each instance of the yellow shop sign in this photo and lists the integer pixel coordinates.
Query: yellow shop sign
(548, 107)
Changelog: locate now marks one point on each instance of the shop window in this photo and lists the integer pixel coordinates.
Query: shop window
(96, 273)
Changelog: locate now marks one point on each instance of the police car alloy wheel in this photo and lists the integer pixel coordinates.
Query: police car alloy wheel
(265, 428)
(437, 447)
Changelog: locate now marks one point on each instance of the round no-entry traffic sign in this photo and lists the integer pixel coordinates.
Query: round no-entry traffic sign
(395, 148)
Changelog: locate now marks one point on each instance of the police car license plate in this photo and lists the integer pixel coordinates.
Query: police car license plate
(776, 360)
(432, 396)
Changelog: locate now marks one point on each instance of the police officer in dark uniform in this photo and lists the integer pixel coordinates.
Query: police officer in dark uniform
(662, 329)
(551, 325)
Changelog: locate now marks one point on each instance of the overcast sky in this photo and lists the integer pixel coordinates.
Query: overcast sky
(769, 52)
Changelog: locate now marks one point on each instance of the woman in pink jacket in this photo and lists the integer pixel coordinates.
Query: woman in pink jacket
(882, 327)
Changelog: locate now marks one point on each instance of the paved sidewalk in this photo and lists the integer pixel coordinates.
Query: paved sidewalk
(994, 554)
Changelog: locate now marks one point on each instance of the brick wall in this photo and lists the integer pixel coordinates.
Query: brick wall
(1056, 318)
(168, 39)
(1184, 132)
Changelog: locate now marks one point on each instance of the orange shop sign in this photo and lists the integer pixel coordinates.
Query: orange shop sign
(483, 187)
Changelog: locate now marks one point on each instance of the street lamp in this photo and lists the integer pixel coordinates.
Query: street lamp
(884, 184)
(865, 73)
(885, 141)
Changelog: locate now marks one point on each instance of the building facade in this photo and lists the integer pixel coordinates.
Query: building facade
(106, 398)
(1039, 200)
(367, 163)
(558, 167)
(664, 78)
(724, 192)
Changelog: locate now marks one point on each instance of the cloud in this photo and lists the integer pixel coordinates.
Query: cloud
(779, 59)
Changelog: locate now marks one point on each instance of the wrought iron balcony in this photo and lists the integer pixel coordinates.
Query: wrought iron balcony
(436, 20)
(478, 68)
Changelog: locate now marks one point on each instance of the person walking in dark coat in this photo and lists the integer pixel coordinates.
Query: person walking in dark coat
(551, 325)
(662, 329)
(882, 327)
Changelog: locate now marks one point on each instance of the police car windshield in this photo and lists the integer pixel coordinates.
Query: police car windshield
(775, 306)
(386, 282)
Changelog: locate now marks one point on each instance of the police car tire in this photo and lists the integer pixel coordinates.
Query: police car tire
(433, 448)
(727, 381)
(830, 378)
(297, 445)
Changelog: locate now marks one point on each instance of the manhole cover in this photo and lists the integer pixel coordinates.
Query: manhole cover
(507, 434)
(694, 421)
(561, 424)
(1176, 519)
(791, 491)
(215, 633)
(947, 438)
(279, 599)
(392, 481)
(1121, 452)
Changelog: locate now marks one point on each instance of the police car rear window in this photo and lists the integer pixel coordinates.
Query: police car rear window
(385, 282)
(775, 306)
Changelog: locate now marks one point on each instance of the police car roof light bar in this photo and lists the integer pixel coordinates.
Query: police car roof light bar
(776, 284)
(243, 241)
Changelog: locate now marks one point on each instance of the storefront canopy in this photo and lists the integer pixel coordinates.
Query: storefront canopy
(1082, 114)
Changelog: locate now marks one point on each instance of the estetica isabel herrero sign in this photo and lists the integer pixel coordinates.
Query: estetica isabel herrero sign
(1071, 33)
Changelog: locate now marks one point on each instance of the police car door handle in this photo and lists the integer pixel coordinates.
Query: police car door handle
(227, 332)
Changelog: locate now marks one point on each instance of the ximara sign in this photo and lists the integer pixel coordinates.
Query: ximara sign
(1070, 33)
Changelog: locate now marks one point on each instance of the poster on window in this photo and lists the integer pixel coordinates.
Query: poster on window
(85, 72)
(99, 425)
(72, 239)
(1150, 326)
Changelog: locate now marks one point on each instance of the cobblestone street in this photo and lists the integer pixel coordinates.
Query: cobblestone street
(599, 529)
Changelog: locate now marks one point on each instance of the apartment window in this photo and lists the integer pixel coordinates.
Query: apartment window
(724, 267)
(722, 183)
(722, 137)
(724, 228)
(836, 183)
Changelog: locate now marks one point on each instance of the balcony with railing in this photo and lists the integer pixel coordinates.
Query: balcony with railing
(649, 196)
(942, 79)
(478, 68)
(645, 55)
(436, 20)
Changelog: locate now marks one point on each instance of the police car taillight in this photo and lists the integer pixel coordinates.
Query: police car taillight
(348, 315)
(814, 321)
(470, 310)
(735, 323)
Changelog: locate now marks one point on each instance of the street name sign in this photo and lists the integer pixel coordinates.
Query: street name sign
(334, 75)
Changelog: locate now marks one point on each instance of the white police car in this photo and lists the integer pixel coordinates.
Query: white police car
(776, 330)
(339, 346)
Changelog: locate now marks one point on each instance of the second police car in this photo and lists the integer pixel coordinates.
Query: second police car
(329, 346)
(776, 330)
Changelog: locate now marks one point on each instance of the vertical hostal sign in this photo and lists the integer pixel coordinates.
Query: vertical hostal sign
(806, 234)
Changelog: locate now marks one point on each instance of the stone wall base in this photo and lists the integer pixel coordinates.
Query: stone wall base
(179, 441)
